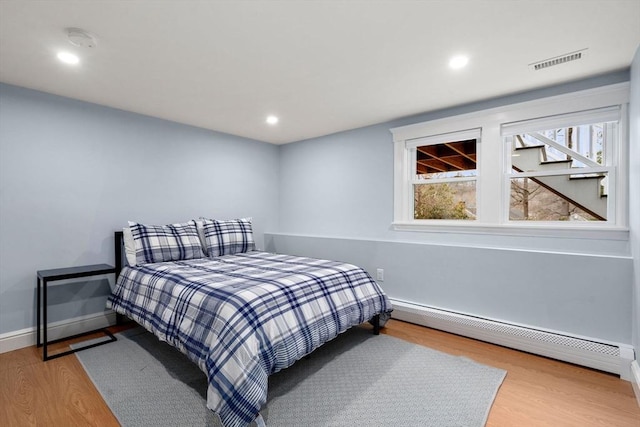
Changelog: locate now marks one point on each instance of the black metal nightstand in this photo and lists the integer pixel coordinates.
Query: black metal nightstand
(46, 276)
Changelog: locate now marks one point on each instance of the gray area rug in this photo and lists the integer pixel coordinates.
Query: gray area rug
(355, 380)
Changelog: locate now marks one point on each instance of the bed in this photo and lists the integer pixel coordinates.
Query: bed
(238, 313)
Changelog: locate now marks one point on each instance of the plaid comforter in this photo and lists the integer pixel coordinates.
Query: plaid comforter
(243, 317)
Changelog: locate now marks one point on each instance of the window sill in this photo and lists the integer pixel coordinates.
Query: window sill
(580, 231)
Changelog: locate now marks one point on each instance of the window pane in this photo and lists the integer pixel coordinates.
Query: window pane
(452, 200)
(538, 199)
(572, 147)
(446, 160)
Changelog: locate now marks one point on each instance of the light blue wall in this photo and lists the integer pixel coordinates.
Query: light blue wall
(634, 190)
(584, 295)
(71, 173)
(336, 201)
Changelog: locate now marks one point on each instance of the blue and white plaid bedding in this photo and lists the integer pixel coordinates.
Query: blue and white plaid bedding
(243, 317)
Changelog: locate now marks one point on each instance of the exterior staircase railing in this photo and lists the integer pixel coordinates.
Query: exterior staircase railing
(568, 151)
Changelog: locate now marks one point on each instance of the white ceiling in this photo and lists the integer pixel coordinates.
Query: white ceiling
(321, 66)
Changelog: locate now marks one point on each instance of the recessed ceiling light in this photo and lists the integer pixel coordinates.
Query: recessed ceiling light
(272, 120)
(458, 62)
(68, 58)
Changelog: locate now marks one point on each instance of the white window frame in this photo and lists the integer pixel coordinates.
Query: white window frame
(608, 114)
(492, 177)
(412, 147)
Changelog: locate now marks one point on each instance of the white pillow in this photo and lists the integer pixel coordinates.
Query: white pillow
(129, 246)
(200, 227)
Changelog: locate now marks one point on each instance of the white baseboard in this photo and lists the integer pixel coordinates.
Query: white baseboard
(27, 337)
(606, 356)
(635, 379)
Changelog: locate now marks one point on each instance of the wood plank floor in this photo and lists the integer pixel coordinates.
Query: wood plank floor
(536, 392)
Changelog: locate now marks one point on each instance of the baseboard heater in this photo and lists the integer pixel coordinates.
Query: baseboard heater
(608, 357)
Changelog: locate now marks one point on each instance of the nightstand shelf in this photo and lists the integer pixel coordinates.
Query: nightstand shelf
(56, 274)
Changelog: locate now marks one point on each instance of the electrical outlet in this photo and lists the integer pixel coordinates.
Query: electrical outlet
(380, 273)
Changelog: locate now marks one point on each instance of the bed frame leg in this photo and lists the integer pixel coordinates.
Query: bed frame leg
(376, 324)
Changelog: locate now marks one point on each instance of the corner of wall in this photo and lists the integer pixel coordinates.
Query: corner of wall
(635, 379)
(634, 210)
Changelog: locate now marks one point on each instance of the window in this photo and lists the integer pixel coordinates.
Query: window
(562, 172)
(550, 164)
(444, 175)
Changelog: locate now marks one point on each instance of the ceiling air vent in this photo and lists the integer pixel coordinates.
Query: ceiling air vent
(572, 56)
(80, 38)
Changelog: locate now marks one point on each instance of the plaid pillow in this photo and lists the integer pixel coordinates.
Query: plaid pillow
(228, 237)
(159, 243)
